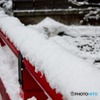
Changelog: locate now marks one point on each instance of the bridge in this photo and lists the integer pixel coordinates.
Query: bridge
(36, 67)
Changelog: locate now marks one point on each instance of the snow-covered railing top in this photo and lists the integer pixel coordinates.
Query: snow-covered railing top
(64, 72)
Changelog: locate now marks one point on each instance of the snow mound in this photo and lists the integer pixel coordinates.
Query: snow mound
(82, 41)
(51, 28)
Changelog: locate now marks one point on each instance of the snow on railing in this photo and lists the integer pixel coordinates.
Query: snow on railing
(41, 81)
(62, 73)
(38, 77)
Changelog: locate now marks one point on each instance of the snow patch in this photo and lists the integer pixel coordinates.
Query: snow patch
(9, 72)
(33, 98)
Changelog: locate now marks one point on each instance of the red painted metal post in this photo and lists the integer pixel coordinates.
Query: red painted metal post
(31, 88)
(42, 81)
(2, 43)
(9, 43)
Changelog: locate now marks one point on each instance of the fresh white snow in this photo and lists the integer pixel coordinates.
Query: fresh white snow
(59, 58)
(82, 41)
(9, 72)
(33, 98)
(6, 3)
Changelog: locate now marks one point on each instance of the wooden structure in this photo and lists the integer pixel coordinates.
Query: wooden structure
(50, 4)
(33, 11)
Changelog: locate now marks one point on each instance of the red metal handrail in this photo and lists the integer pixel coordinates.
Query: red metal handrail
(31, 70)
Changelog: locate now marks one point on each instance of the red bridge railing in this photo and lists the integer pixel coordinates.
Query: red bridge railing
(31, 82)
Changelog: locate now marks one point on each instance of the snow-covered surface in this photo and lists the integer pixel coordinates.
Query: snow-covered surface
(82, 41)
(93, 14)
(84, 2)
(6, 5)
(9, 72)
(56, 57)
(33, 98)
(78, 3)
(52, 28)
(2, 1)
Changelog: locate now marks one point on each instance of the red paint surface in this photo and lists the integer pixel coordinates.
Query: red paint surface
(1, 42)
(31, 88)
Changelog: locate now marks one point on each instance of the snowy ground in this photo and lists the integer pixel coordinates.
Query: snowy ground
(75, 54)
(82, 41)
